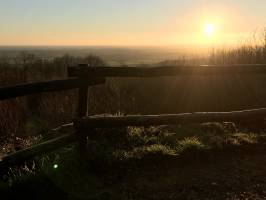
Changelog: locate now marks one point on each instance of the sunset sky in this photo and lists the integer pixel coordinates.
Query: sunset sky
(129, 22)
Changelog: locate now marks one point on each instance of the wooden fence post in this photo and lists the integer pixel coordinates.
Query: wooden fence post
(82, 110)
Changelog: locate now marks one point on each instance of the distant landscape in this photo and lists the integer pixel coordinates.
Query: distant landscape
(111, 55)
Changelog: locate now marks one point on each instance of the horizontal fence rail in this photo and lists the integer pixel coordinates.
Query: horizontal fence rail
(44, 147)
(45, 86)
(166, 71)
(84, 76)
(169, 119)
(95, 75)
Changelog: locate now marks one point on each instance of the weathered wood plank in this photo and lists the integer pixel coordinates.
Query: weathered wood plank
(169, 119)
(82, 112)
(45, 86)
(28, 153)
(166, 70)
(83, 101)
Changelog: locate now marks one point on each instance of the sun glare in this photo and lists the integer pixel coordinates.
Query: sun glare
(209, 29)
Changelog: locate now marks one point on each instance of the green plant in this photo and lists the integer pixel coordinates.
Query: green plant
(190, 144)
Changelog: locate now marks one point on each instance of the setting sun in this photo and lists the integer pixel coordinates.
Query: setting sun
(209, 29)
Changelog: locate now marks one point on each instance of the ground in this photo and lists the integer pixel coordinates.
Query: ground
(233, 172)
(238, 176)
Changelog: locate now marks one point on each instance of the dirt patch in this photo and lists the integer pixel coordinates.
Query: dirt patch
(229, 175)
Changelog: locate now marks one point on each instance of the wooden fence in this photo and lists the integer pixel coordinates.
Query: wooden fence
(83, 77)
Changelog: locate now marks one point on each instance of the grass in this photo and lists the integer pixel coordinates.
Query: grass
(142, 143)
(189, 144)
(62, 173)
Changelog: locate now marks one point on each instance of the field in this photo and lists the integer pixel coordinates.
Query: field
(201, 161)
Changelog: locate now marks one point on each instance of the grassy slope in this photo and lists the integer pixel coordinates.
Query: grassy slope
(208, 161)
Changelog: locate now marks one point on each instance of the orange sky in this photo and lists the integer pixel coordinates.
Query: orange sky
(124, 22)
